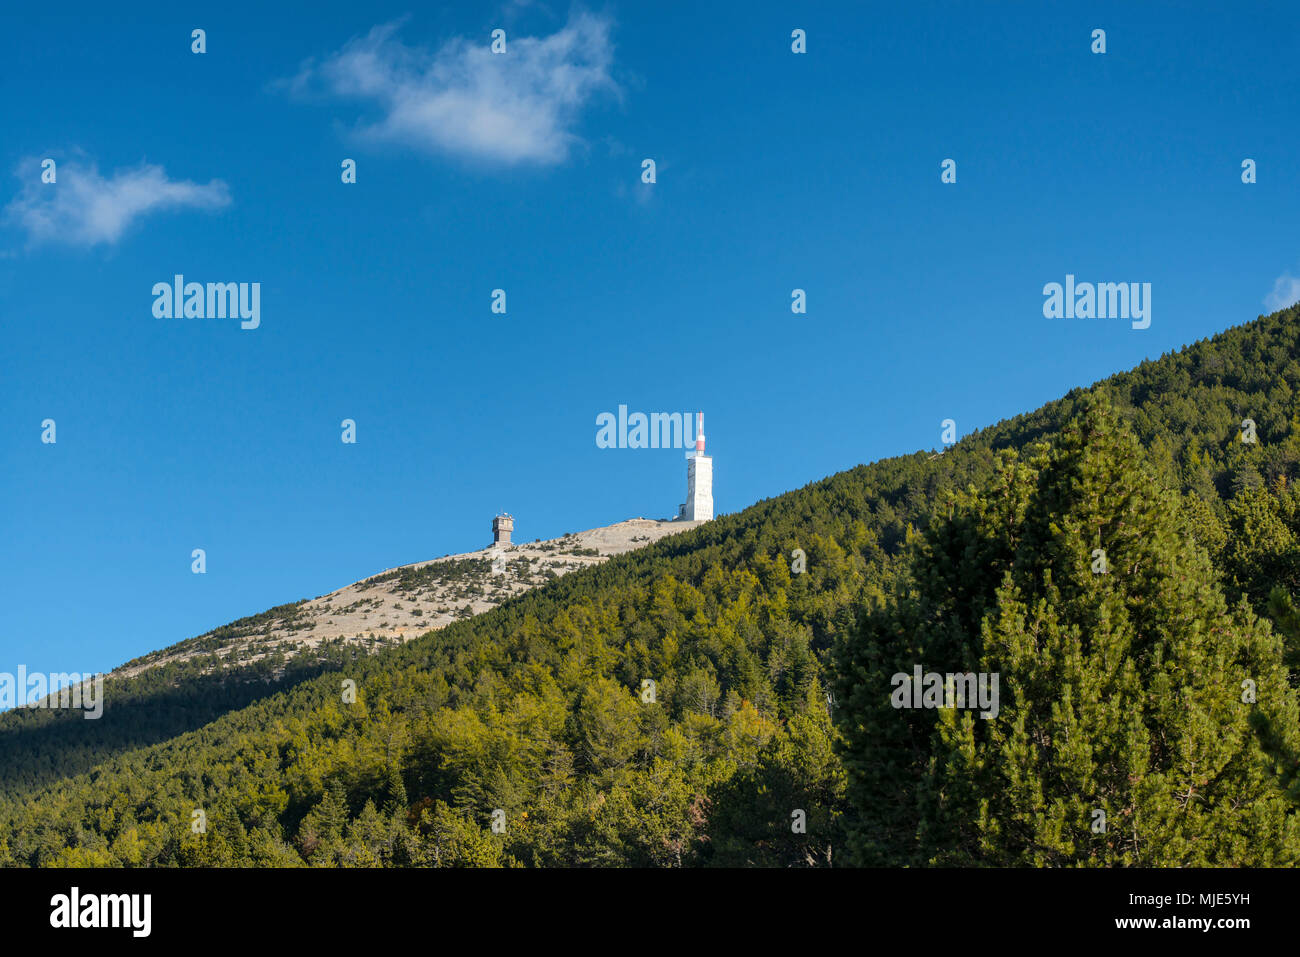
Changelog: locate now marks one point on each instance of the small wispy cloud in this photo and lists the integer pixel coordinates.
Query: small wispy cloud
(85, 208)
(514, 107)
(1286, 292)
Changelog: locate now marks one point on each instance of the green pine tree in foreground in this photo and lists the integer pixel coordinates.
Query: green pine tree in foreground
(1134, 703)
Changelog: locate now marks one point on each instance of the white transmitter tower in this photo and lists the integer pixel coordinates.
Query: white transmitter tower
(699, 480)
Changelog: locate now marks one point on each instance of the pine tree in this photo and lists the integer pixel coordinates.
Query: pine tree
(1286, 620)
(395, 789)
(1127, 685)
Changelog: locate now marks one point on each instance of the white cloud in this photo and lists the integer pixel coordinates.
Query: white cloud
(514, 107)
(83, 208)
(1286, 291)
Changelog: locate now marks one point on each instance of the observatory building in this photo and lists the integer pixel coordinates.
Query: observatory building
(699, 480)
(502, 526)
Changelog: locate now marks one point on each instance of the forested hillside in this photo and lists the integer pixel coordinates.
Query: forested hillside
(747, 748)
(186, 685)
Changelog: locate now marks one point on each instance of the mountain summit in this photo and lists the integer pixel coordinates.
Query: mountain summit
(401, 603)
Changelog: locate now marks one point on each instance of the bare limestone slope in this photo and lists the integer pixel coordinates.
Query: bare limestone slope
(404, 602)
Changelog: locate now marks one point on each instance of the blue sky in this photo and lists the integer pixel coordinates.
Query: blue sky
(522, 171)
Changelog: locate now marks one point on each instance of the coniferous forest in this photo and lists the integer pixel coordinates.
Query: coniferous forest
(1125, 559)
